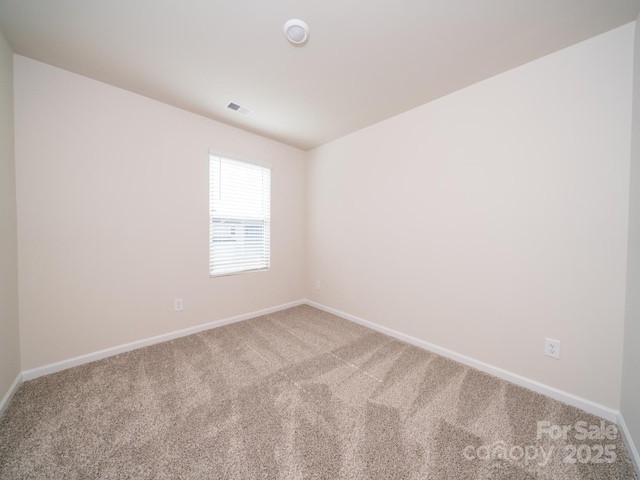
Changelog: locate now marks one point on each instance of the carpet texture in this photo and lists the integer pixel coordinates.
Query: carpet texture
(297, 394)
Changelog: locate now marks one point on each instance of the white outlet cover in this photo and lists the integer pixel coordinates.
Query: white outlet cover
(552, 348)
(177, 305)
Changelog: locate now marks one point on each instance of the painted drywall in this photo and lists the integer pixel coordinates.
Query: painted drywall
(112, 192)
(9, 328)
(630, 401)
(491, 218)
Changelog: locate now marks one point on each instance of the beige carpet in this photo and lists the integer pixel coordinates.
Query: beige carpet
(295, 394)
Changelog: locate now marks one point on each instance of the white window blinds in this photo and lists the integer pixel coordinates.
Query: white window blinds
(239, 218)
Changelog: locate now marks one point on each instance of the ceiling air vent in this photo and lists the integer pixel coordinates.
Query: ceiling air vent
(240, 109)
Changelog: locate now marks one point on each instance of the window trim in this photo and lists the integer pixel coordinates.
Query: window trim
(237, 158)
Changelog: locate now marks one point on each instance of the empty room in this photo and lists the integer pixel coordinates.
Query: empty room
(304, 240)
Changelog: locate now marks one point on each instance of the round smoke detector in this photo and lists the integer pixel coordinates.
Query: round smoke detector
(296, 31)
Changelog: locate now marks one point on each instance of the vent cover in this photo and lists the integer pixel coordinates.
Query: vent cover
(239, 108)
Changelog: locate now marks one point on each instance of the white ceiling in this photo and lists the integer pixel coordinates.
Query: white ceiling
(366, 60)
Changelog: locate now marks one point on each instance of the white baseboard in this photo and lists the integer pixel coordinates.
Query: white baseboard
(568, 398)
(4, 403)
(109, 352)
(628, 441)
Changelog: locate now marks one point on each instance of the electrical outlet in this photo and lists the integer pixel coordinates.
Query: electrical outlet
(177, 305)
(317, 284)
(552, 348)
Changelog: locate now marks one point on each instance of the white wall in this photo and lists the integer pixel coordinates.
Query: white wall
(491, 218)
(630, 401)
(481, 222)
(9, 329)
(112, 193)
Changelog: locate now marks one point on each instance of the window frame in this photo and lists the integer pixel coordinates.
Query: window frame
(216, 154)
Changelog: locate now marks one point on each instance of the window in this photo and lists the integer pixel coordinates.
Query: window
(239, 216)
